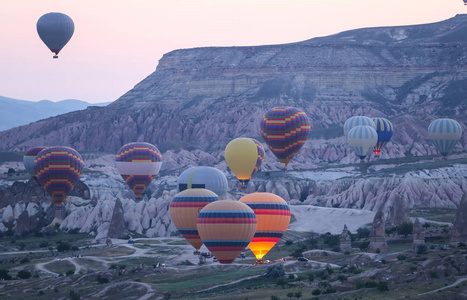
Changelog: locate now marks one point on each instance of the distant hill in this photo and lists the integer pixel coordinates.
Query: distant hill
(16, 112)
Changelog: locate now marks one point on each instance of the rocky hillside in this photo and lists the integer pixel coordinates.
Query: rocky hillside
(201, 98)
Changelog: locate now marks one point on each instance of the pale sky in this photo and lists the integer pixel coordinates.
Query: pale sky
(118, 43)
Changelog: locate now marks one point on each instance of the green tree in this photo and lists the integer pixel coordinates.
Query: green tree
(405, 228)
(290, 295)
(4, 274)
(297, 253)
(24, 274)
(274, 297)
(63, 246)
(298, 295)
(383, 286)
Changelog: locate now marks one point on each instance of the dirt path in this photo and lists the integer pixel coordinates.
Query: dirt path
(40, 267)
(72, 261)
(149, 293)
(229, 283)
(458, 281)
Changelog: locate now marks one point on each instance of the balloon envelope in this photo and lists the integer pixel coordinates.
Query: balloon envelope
(55, 30)
(244, 157)
(184, 210)
(357, 121)
(226, 228)
(385, 130)
(444, 133)
(28, 159)
(362, 139)
(273, 217)
(285, 130)
(205, 178)
(138, 163)
(57, 170)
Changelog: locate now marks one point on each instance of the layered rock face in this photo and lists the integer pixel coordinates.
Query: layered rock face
(201, 98)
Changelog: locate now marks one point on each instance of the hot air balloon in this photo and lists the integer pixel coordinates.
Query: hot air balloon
(285, 130)
(244, 157)
(138, 163)
(362, 139)
(55, 30)
(444, 133)
(57, 170)
(226, 228)
(465, 2)
(357, 121)
(384, 129)
(273, 217)
(204, 178)
(184, 210)
(28, 159)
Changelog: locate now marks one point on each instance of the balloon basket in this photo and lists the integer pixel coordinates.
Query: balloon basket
(196, 252)
(55, 56)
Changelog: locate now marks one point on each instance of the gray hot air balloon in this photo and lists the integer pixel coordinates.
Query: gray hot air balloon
(55, 30)
(204, 178)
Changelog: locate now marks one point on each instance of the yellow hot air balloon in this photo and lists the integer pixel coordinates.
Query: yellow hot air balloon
(273, 218)
(244, 157)
(184, 210)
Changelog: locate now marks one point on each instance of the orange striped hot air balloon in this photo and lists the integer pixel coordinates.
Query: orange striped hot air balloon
(226, 228)
(285, 130)
(273, 217)
(57, 170)
(184, 210)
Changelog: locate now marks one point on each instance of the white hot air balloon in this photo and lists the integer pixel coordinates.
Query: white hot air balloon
(362, 139)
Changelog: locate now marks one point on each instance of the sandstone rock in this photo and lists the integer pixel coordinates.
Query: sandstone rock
(378, 234)
(345, 240)
(117, 226)
(418, 235)
(459, 228)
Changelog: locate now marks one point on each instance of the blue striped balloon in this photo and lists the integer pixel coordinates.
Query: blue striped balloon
(362, 139)
(357, 121)
(385, 130)
(444, 133)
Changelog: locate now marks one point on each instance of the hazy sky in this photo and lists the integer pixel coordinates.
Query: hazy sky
(117, 43)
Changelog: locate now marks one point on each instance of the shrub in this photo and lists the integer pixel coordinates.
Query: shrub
(282, 282)
(275, 271)
(25, 260)
(288, 242)
(383, 286)
(342, 278)
(371, 284)
(422, 249)
(316, 292)
(69, 272)
(101, 280)
(4, 274)
(63, 246)
(24, 274)
(401, 257)
(274, 297)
